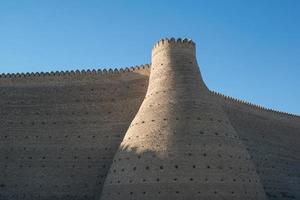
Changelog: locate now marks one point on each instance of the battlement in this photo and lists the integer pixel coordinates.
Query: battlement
(109, 71)
(254, 106)
(171, 43)
(152, 131)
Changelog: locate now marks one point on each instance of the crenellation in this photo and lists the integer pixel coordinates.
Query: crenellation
(173, 41)
(169, 127)
(127, 69)
(152, 131)
(89, 72)
(255, 106)
(104, 71)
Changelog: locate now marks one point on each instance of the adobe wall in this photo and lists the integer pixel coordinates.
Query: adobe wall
(180, 145)
(59, 131)
(272, 139)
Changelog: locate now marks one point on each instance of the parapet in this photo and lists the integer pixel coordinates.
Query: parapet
(173, 43)
(255, 106)
(108, 71)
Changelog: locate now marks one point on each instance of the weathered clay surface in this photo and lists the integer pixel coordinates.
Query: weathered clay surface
(141, 133)
(181, 144)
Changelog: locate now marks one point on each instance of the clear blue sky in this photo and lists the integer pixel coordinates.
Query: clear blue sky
(246, 49)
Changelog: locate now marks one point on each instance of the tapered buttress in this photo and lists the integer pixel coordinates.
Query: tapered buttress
(180, 144)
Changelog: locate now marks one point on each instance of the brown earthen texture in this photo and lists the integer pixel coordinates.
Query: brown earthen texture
(141, 133)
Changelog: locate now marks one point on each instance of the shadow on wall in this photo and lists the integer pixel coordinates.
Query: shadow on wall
(147, 175)
(58, 134)
(273, 148)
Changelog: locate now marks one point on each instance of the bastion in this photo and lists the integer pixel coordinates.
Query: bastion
(151, 132)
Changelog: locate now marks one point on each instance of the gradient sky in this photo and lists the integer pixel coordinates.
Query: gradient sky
(246, 49)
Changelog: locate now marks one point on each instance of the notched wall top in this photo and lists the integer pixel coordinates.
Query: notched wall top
(63, 133)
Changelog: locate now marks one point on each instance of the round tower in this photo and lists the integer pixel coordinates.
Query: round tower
(180, 144)
(174, 64)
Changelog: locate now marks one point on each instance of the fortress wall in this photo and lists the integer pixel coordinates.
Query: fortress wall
(59, 133)
(71, 77)
(180, 145)
(273, 140)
